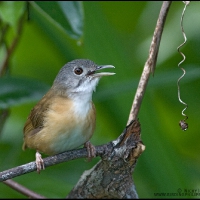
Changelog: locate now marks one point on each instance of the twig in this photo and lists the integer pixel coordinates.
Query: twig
(150, 64)
(4, 113)
(49, 161)
(11, 49)
(4, 30)
(23, 190)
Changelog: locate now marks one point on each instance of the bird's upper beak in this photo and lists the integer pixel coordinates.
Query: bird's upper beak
(100, 74)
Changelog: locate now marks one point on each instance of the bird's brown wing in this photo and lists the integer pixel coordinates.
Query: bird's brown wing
(35, 120)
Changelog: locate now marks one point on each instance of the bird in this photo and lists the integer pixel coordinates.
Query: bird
(65, 117)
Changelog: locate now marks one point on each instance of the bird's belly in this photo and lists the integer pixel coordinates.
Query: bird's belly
(70, 139)
(64, 129)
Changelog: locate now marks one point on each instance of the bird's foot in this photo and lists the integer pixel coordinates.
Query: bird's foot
(91, 150)
(39, 162)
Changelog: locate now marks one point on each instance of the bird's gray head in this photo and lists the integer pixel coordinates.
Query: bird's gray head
(80, 76)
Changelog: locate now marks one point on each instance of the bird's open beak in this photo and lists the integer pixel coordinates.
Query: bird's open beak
(100, 74)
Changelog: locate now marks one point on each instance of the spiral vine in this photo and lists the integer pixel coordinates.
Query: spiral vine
(182, 123)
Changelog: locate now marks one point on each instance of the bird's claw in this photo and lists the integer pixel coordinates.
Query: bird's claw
(91, 150)
(39, 162)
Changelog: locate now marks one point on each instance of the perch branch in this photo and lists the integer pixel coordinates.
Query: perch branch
(150, 64)
(49, 161)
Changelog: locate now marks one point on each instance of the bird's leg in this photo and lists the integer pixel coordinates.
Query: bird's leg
(39, 162)
(90, 149)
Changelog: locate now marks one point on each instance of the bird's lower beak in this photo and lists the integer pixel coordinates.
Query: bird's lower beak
(100, 74)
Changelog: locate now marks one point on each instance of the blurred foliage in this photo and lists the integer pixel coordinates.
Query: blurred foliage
(117, 33)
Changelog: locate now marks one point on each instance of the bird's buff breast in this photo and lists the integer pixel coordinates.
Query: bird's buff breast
(67, 126)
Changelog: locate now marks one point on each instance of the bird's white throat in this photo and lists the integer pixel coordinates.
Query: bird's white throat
(86, 88)
(82, 96)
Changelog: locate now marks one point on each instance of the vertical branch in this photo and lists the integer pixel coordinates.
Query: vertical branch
(150, 64)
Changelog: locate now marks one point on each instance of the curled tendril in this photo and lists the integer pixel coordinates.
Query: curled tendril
(182, 123)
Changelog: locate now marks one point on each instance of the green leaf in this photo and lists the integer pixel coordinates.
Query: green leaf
(11, 11)
(66, 15)
(15, 91)
(73, 11)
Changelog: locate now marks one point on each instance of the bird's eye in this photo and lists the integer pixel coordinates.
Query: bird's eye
(78, 70)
